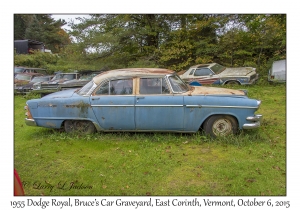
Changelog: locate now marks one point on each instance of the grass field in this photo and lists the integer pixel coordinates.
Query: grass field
(253, 163)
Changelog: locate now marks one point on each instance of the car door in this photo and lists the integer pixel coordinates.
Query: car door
(113, 104)
(206, 76)
(156, 108)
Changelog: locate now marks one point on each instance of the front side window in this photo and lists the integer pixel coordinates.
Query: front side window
(116, 87)
(87, 89)
(153, 86)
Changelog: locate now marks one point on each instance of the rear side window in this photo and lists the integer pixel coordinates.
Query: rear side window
(153, 86)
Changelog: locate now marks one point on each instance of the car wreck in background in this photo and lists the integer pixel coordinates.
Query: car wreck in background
(22, 79)
(77, 83)
(277, 73)
(145, 100)
(62, 81)
(21, 69)
(26, 88)
(213, 73)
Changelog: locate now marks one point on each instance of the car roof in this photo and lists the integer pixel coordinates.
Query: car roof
(30, 73)
(202, 65)
(133, 72)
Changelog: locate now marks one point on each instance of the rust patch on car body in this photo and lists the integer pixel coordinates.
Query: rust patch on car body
(81, 104)
(202, 90)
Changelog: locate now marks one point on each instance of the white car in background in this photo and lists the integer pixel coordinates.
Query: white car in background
(278, 71)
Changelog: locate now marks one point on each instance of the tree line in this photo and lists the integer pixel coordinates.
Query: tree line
(174, 41)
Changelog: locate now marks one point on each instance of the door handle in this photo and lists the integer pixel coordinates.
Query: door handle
(95, 99)
(140, 97)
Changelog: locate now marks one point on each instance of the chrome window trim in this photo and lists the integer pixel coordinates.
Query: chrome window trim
(238, 107)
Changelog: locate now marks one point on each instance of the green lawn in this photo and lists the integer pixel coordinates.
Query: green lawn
(252, 163)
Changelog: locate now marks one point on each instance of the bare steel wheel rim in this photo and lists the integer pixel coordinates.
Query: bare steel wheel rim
(81, 126)
(222, 127)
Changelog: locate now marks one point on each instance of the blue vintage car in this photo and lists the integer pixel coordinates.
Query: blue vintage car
(145, 100)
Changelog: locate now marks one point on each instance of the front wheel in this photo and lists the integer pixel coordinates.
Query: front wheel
(80, 126)
(220, 125)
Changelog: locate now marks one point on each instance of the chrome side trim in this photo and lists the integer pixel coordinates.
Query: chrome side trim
(193, 106)
(159, 105)
(188, 106)
(237, 107)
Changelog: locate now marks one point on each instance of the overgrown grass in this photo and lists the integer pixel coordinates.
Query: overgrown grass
(253, 163)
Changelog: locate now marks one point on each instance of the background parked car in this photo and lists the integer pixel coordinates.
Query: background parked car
(63, 81)
(145, 99)
(277, 73)
(21, 69)
(215, 73)
(22, 79)
(77, 83)
(23, 89)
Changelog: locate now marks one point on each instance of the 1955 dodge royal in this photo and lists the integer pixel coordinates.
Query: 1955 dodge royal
(145, 100)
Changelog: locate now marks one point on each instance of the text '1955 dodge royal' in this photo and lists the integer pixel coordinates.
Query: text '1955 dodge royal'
(145, 100)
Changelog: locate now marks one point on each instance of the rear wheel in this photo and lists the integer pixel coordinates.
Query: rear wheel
(80, 126)
(220, 125)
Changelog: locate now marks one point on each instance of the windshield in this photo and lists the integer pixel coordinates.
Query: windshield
(18, 70)
(177, 84)
(87, 77)
(22, 77)
(64, 76)
(87, 89)
(217, 68)
(40, 79)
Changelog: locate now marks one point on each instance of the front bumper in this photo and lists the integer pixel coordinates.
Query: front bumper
(255, 122)
(30, 122)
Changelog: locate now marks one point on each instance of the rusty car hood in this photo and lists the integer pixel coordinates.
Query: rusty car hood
(61, 94)
(20, 82)
(240, 71)
(202, 90)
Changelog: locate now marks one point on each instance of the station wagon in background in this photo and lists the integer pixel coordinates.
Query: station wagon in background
(21, 69)
(277, 73)
(145, 100)
(214, 73)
